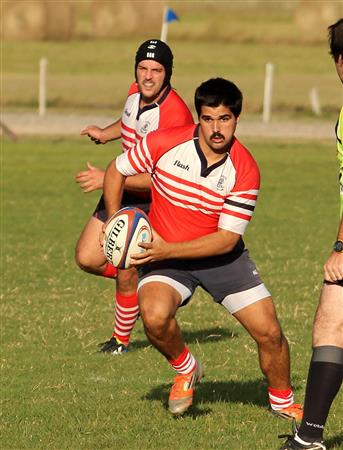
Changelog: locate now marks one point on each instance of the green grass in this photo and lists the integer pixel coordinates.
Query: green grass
(59, 393)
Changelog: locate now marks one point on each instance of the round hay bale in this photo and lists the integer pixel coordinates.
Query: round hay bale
(151, 15)
(114, 19)
(313, 17)
(37, 20)
(23, 20)
(60, 21)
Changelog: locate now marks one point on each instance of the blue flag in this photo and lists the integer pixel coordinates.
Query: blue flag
(171, 16)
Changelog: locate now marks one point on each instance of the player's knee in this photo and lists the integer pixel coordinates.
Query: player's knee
(155, 318)
(271, 337)
(84, 260)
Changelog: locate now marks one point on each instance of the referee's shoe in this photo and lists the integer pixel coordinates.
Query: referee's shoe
(293, 442)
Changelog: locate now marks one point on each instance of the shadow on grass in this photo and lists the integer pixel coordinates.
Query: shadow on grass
(208, 335)
(335, 442)
(232, 391)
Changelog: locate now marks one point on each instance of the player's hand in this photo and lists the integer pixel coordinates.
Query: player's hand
(333, 268)
(94, 133)
(157, 250)
(90, 179)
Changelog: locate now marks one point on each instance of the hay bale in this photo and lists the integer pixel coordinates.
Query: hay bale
(313, 17)
(60, 21)
(113, 19)
(37, 20)
(23, 20)
(124, 18)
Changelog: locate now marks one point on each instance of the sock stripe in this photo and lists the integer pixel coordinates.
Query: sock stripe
(185, 363)
(280, 399)
(124, 310)
(127, 311)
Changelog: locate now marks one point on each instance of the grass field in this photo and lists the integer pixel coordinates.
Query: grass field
(59, 393)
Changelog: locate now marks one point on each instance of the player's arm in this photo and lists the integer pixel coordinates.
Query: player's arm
(138, 183)
(113, 188)
(333, 268)
(92, 178)
(117, 171)
(218, 243)
(103, 135)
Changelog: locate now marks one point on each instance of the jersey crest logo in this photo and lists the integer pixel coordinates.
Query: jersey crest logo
(127, 113)
(220, 184)
(145, 127)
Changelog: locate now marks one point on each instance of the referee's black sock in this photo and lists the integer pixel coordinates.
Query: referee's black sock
(323, 382)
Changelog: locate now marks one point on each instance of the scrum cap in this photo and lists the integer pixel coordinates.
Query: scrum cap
(157, 51)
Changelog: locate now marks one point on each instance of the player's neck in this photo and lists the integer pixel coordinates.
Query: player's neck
(146, 101)
(212, 156)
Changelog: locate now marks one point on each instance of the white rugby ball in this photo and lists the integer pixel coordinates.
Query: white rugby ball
(124, 231)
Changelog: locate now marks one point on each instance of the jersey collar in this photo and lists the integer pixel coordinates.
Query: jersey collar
(155, 104)
(206, 170)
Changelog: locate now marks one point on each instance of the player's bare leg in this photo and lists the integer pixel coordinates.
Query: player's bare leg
(90, 258)
(261, 322)
(325, 375)
(158, 305)
(89, 255)
(328, 322)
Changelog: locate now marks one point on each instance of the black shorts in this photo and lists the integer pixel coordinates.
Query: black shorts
(127, 200)
(338, 282)
(235, 283)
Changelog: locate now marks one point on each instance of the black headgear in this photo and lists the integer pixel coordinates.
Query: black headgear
(157, 51)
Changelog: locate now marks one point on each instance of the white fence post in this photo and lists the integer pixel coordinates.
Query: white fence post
(268, 88)
(315, 102)
(42, 87)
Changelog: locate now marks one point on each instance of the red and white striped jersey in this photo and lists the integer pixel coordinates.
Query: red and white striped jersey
(190, 199)
(169, 111)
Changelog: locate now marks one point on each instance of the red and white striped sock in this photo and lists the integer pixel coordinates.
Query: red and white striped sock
(185, 363)
(110, 271)
(126, 315)
(280, 399)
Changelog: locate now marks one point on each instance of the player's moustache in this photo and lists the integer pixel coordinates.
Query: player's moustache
(217, 135)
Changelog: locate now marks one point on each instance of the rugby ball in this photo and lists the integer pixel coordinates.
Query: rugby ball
(124, 231)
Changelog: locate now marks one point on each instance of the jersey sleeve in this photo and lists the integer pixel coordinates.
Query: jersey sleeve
(136, 160)
(239, 205)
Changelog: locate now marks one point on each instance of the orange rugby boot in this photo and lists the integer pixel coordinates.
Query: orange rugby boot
(181, 394)
(294, 411)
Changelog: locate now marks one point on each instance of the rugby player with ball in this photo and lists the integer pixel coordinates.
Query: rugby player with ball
(205, 185)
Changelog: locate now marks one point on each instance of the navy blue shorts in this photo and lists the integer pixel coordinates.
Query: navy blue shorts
(128, 200)
(232, 280)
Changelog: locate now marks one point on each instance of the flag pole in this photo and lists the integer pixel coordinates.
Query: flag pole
(164, 29)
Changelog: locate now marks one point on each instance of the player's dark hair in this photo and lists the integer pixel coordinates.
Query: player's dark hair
(158, 51)
(336, 39)
(218, 91)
